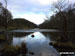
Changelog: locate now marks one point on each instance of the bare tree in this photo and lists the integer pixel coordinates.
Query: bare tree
(59, 6)
(6, 25)
(5, 3)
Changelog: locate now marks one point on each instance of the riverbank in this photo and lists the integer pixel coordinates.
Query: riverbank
(63, 46)
(13, 50)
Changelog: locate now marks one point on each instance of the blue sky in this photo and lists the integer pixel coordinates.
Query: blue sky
(32, 10)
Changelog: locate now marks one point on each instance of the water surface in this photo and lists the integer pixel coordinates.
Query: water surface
(39, 44)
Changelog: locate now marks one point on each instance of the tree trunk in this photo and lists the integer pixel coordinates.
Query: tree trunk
(5, 19)
(64, 37)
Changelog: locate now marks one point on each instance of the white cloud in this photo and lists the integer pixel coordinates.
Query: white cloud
(46, 2)
(42, 2)
(33, 10)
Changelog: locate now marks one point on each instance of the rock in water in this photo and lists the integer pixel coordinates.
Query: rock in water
(32, 35)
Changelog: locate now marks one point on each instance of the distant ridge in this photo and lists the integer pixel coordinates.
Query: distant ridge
(21, 22)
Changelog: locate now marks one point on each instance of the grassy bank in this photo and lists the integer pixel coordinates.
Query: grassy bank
(63, 46)
(14, 50)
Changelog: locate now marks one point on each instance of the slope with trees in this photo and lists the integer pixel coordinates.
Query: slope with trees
(63, 20)
(21, 23)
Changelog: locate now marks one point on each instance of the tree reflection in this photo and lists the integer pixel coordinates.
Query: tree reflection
(60, 46)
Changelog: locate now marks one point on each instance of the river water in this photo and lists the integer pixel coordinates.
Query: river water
(37, 44)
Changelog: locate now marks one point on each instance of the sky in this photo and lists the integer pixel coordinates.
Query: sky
(32, 10)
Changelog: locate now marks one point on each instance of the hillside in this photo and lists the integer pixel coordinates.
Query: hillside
(21, 23)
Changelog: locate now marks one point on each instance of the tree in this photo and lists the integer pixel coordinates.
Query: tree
(21, 23)
(5, 16)
(59, 6)
(5, 3)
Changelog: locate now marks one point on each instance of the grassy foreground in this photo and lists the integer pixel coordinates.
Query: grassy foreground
(14, 50)
(63, 46)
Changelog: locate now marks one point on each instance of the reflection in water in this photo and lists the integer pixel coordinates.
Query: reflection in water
(5, 39)
(39, 45)
(62, 46)
(20, 34)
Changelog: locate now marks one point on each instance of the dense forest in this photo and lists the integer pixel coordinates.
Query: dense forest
(64, 21)
(21, 23)
(57, 22)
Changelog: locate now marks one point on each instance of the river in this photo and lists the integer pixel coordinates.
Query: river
(37, 44)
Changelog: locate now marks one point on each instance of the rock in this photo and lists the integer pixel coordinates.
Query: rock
(31, 53)
(32, 35)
